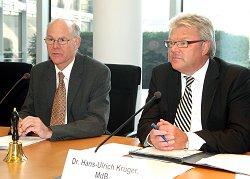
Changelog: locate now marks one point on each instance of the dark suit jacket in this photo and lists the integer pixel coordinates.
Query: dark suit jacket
(225, 108)
(87, 100)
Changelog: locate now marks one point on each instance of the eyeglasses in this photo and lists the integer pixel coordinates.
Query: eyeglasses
(180, 44)
(61, 41)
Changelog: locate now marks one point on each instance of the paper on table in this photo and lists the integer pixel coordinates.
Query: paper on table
(173, 153)
(232, 162)
(159, 170)
(28, 140)
(154, 168)
(242, 176)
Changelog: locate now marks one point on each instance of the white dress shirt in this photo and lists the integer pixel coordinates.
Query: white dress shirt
(194, 141)
(66, 72)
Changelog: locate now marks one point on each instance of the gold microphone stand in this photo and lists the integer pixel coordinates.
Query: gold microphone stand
(15, 151)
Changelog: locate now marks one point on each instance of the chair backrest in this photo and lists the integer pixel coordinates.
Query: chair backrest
(10, 73)
(124, 87)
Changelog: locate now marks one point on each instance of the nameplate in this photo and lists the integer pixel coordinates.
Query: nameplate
(80, 164)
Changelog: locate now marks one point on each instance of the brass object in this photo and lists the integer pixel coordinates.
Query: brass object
(15, 151)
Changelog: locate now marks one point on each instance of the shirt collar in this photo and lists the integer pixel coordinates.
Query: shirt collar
(67, 70)
(200, 74)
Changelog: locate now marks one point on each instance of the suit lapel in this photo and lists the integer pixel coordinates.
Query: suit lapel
(174, 92)
(209, 89)
(51, 80)
(75, 80)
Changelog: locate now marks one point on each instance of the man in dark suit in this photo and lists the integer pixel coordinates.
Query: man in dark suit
(220, 112)
(87, 84)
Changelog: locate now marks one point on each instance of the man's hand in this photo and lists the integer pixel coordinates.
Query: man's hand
(34, 124)
(177, 139)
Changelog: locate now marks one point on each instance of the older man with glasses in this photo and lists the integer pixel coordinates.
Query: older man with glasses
(205, 102)
(68, 96)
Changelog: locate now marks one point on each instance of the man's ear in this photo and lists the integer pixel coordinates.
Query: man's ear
(78, 42)
(205, 47)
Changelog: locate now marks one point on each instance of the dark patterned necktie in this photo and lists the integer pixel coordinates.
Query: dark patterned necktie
(183, 114)
(59, 104)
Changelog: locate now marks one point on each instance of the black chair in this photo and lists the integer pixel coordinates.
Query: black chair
(10, 73)
(124, 87)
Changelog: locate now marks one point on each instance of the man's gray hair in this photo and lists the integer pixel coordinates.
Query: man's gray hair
(201, 23)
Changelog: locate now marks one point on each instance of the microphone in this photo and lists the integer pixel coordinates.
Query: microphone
(26, 76)
(157, 95)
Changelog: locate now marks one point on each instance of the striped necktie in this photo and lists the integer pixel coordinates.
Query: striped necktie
(183, 114)
(59, 104)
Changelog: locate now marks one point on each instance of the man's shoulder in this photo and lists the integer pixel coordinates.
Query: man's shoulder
(89, 63)
(165, 68)
(228, 73)
(43, 65)
(230, 67)
(87, 60)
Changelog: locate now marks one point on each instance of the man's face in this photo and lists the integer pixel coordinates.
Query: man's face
(190, 59)
(62, 55)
